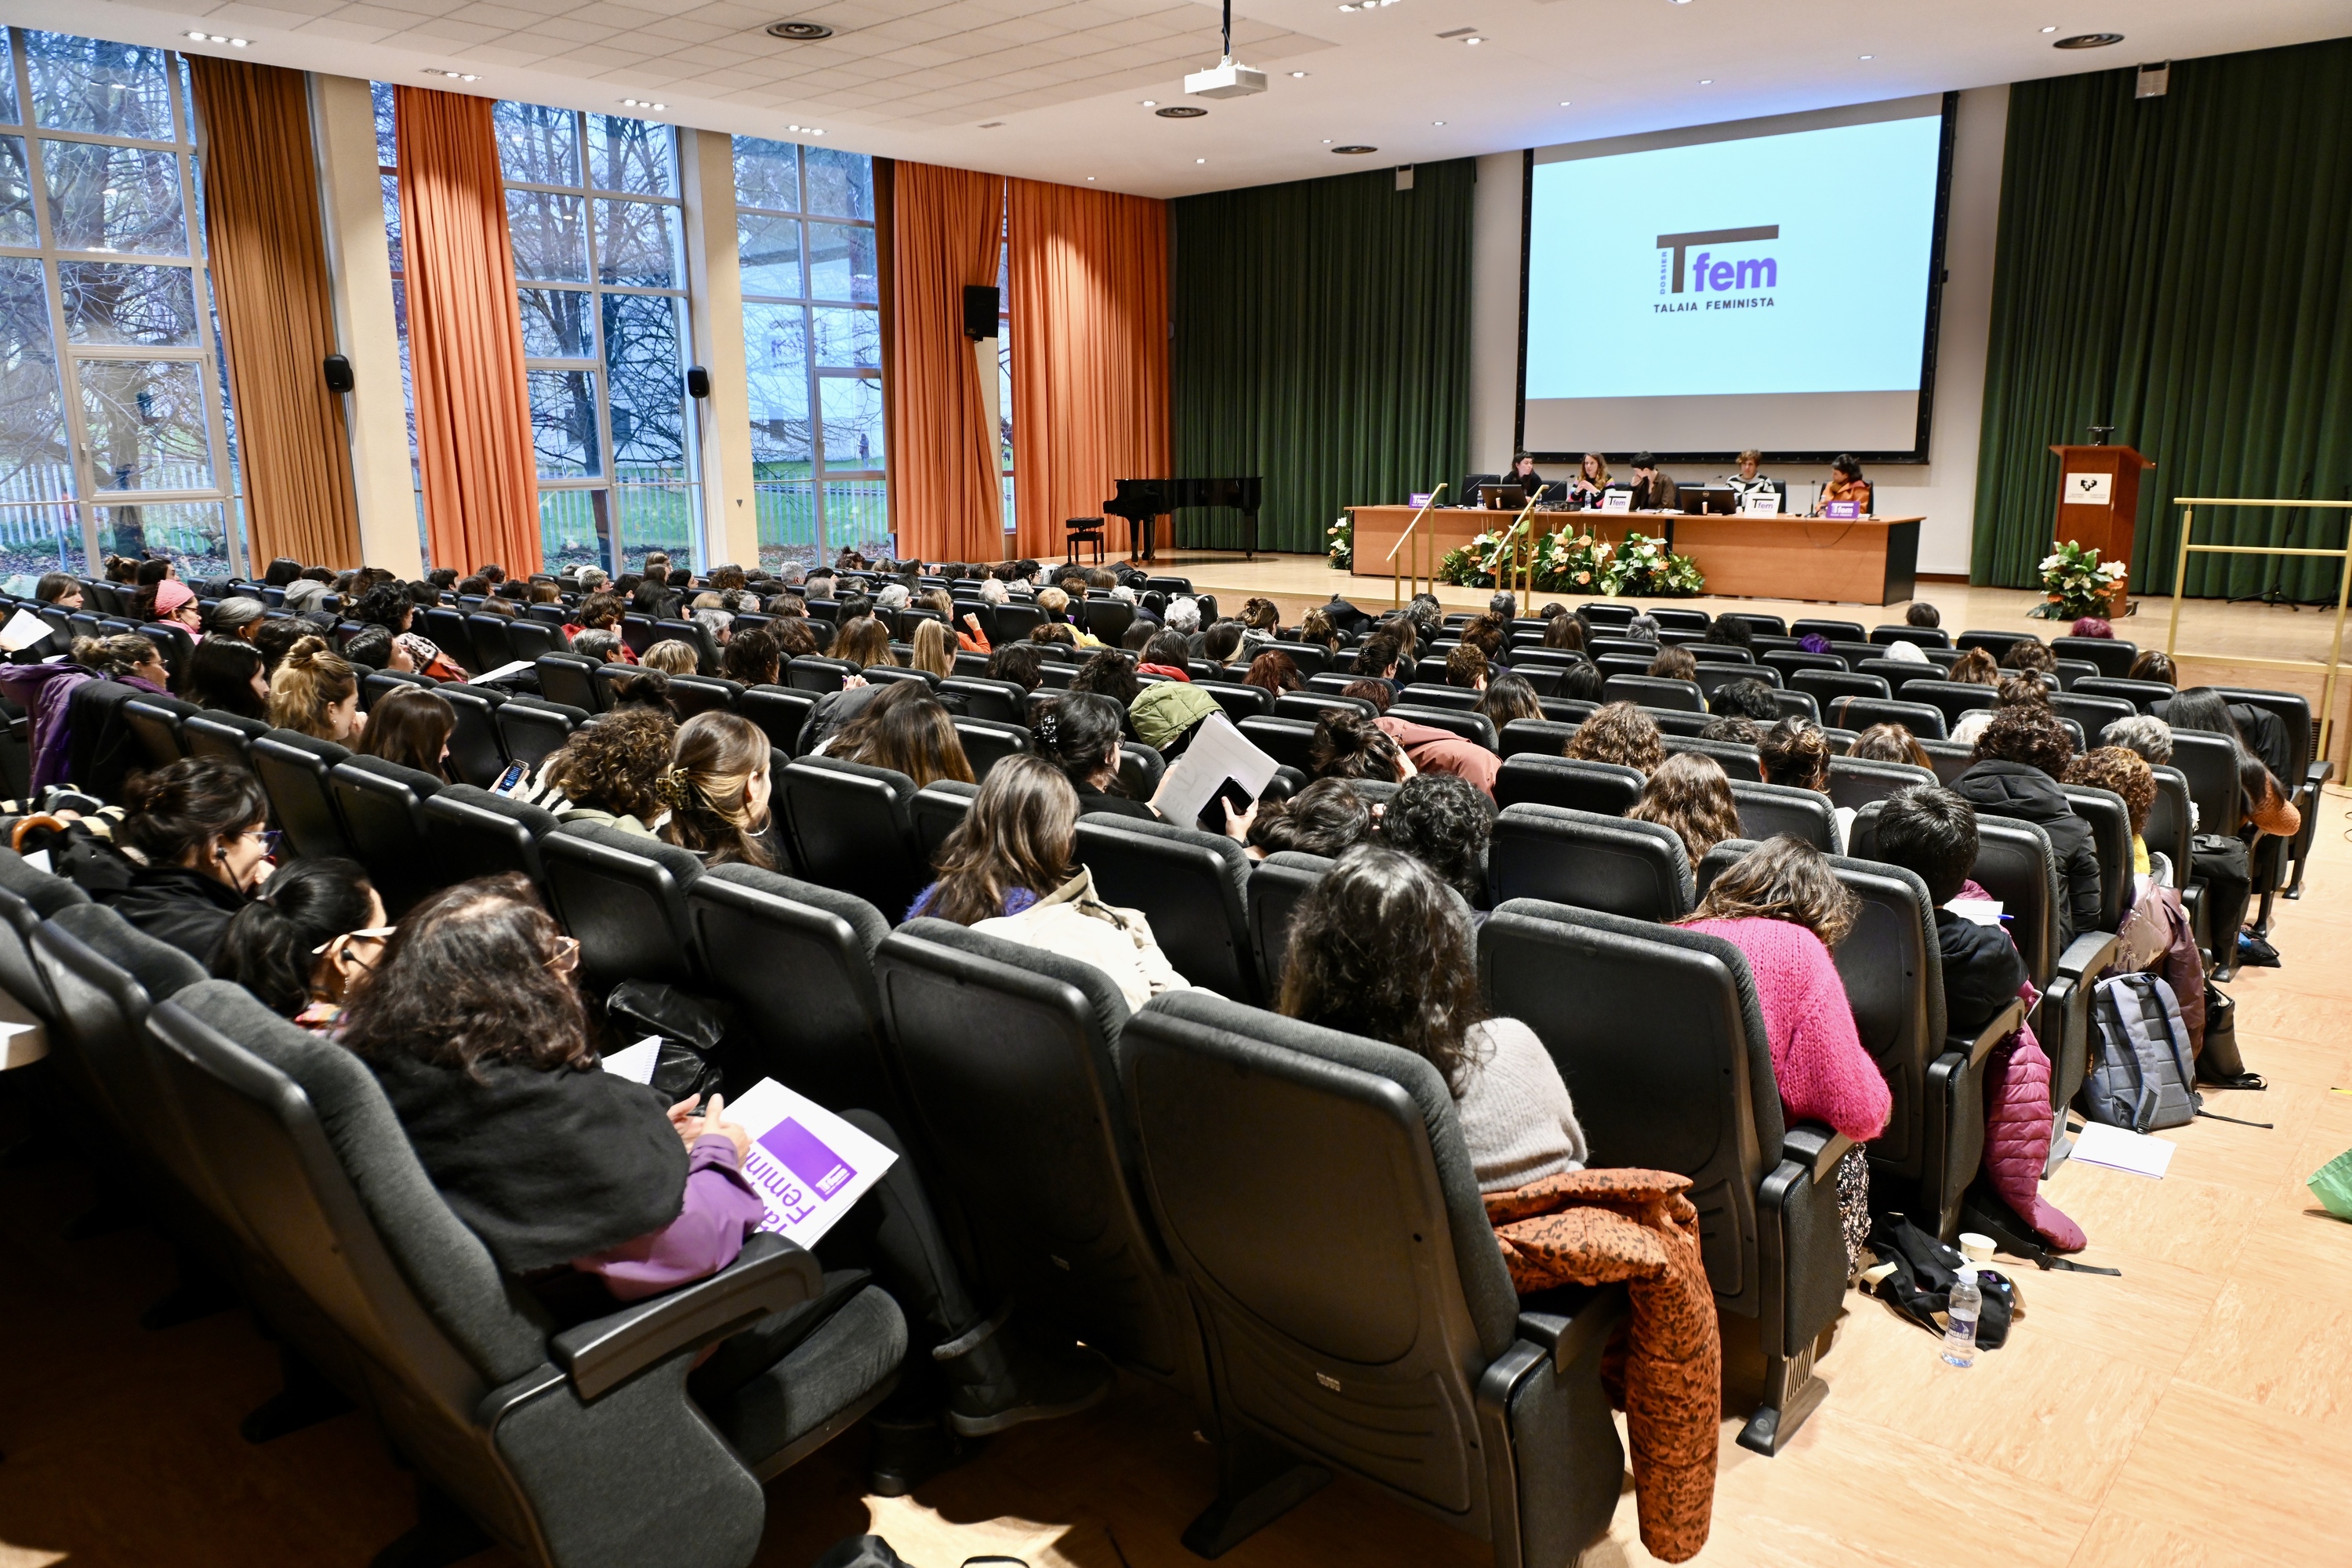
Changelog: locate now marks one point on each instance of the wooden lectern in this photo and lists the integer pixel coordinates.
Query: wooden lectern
(2098, 501)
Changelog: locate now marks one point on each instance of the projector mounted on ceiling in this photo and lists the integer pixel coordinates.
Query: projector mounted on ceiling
(1225, 78)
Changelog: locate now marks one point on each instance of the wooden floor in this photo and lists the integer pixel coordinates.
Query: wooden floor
(2213, 632)
(2195, 1412)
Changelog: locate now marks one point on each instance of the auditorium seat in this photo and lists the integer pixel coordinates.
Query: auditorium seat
(1310, 706)
(1854, 652)
(694, 634)
(1543, 737)
(2145, 696)
(2302, 778)
(879, 674)
(446, 630)
(293, 768)
(1719, 653)
(1896, 671)
(781, 710)
(1548, 778)
(1762, 626)
(378, 684)
(987, 742)
(475, 832)
(1770, 810)
(1012, 622)
(1008, 1054)
(229, 736)
(812, 673)
(29, 897)
(1460, 699)
(2093, 713)
(1287, 740)
(570, 678)
(491, 643)
(1951, 759)
(1474, 727)
(528, 729)
(938, 809)
(155, 723)
(1659, 1035)
(382, 808)
(1713, 677)
(1924, 637)
(474, 754)
(1737, 759)
(1797, 705)
(1997, 644)
(852, 830)
(1652, 691)
(1239, 701)
(982, 697)
(2111, 839)
(692, 694)
(1678, 721)
(1789, 662)
(1192, 886)
(1141, 769)
(1855, 782)
(1860, 713)
(1365, 1352)
(1638, 870)
(1835, 631)
(799, 966)
(1952, 699)
(1278, 886)
(623, 896)
(530, 639)
(1827, 686)
(574, 1445)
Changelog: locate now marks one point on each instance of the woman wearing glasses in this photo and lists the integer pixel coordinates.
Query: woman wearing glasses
(587, 1189)
(316, 930)
(197, 836)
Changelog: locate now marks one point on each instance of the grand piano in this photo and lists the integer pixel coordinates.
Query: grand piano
(1143, 502)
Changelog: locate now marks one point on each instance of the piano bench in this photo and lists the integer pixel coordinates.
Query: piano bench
(1085, 530)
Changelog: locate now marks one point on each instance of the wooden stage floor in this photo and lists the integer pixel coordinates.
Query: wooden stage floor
(2195, 1413)
(2208, 627)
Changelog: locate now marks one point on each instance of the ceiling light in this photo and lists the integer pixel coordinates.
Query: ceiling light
(1437, 123)
(2049, 29)
(1181, 111)
(1326, 141)
(1474, 40)
(1678, 1)
(2088, 41)
(1706, 81)
(1347, 7)
(1090, 179)
(1150, 103)
(1352, 149)
(799, 32)
(1199, 160)
(1870, 57)
(200, 38)
(1564, 103)
(1297, 76)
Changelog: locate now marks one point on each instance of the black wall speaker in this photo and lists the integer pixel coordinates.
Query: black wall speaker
(979, 309)
(698, 382)
(339, 374)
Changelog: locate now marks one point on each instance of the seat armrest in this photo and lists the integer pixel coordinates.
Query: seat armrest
(1564, 1335)
(1814, 1147)
(2004, 1023)
(2318, 773)
(771, 1275)
(2090, 953)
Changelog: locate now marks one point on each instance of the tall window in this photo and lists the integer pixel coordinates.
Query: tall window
(120, 443)
(592, 208)
(813, 343)
(387, 170)
(1004, 373)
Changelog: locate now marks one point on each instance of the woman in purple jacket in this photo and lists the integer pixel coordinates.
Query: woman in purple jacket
(46, 690)
(585, 1186)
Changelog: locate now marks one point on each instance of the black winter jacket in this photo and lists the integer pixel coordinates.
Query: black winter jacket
(2026, 793)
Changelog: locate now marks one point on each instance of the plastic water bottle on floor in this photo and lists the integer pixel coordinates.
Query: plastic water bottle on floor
(1960, 1328)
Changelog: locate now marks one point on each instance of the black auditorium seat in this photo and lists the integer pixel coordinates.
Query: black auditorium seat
(1638, 870)
(1192, 886)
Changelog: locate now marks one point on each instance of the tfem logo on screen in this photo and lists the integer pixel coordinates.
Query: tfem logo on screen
(1694, 265)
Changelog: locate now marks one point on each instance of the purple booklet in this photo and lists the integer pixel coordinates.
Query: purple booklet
(807, 1164)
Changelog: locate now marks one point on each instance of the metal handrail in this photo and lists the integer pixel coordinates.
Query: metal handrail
(2335, 662)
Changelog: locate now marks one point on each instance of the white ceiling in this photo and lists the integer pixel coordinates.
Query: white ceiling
(1063, 78)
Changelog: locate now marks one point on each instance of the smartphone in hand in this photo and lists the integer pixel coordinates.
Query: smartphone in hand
(511, 779)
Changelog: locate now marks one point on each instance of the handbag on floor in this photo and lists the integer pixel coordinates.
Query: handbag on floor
(2218, 1063)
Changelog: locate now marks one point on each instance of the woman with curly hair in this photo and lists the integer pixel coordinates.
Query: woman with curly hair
(615, 772)
(1621, 733)
(1785, 910)
(1383, 949)
(1975, 667)
(1445, 823)
(1690, 794)
(2020, 758)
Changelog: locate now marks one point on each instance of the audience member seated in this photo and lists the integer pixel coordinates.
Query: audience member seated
(1381, 694)
(1327, 818)
(1446, 824)
(2090, 627)
(1735, 728)
(1931, 832)
(1110, 673)
(2031, 656)
(672, 655)
(1782, 906)
(614, 773)
(1381, 948)
(1080, 732)
(411, 727)
(1673, 664)
(753, 657)
(572, 1177)
(2020, 759)
(1565, 633)
(934, 649)
(1022, 663)
(1465, 667)
(2015, 691)
(1923, 615)
(46, 692)
(310, 936)
(1315, 627)
(2262, 806)
(720, 770)
(1166, 714)
(1729, 631)
(1691, 795)
(228, 675)
(1796, 752)
(237, 619)
(316, 693)
(1889, 743)
(2157, 936)
(1010, 870)
(1509, 697)
(1347, 745)
(196, 844)
(906, 729)
(1583, 683)
(1621, 733)
(1433, 749)
(1745, 697)
(2154, 664)
(1977, 666)
(1380, 657)
(1909, 653)
(1274, 672)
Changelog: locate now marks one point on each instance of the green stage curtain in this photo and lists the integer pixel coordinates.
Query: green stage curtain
(1322, 341)
(2179, 267)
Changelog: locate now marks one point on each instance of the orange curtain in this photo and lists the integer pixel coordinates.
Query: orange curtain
(474, 451)
(943, 235)
(278, 318)
(1089, 276)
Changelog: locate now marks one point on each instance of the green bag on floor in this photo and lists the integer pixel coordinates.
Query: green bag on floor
(2333, 1182)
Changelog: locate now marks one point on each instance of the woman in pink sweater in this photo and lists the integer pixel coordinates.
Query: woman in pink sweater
(1784, 908)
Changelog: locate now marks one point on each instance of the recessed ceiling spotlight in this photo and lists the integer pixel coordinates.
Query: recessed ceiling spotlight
(1199, 160)
(1347, 7)
(1326, 141)
(799, 32)
(1150, 103)
(453, 76)
(1474, 40)
(2049, 29)
(1090, 179)
(1564, 103)
(195, 38)
(1297, 76)
(1437, 123)
(1870, 57)
(2088, 41)
(1181, 111)
(1706, 81)
(1351, 149)
(237, 43)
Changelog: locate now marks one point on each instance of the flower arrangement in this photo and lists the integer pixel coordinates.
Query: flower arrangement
(2076, 582)
(1342, 545)
(1576, 564)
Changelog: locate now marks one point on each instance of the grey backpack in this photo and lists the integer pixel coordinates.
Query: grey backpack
(2141, 1074)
